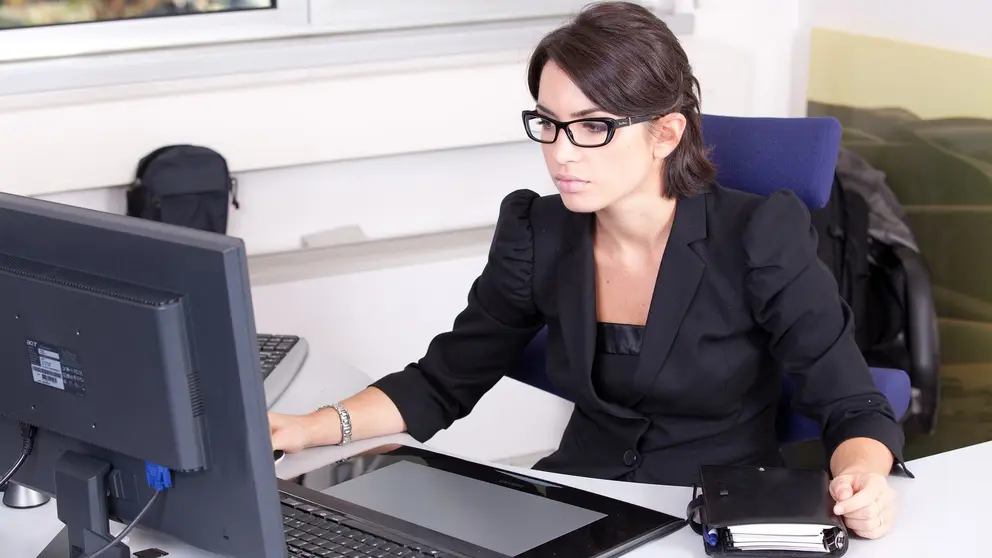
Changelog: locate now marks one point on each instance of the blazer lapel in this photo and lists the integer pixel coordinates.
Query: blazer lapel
(678, 277)
(577, 296)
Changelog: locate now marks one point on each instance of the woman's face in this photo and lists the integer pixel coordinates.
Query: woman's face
(593, 178)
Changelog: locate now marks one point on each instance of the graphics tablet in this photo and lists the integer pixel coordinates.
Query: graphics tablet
(476, 510)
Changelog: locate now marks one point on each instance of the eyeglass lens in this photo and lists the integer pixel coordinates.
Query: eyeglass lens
(583, 133)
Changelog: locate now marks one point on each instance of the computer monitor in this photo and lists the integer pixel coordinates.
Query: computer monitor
(129, 346)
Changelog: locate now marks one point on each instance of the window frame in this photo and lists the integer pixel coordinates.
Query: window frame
(88, 38)
(296, 35)
(367, 15)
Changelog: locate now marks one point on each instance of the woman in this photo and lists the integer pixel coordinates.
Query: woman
(672, 304)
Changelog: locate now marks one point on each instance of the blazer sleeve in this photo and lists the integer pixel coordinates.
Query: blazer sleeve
(796, 299)
(487, 337)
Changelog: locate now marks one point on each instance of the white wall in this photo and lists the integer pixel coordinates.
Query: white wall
(765, 40)
(960, 25)
(399, 174)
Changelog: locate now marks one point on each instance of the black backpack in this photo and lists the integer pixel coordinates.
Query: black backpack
(869, 279)
(842, 228)
(186, 185)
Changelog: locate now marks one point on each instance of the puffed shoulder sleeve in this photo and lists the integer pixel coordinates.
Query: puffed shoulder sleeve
(487, 337)
(796, 299)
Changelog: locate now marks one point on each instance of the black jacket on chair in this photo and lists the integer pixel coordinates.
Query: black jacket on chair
(740, 297)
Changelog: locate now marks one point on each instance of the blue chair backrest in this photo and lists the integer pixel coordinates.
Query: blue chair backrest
(764, 155)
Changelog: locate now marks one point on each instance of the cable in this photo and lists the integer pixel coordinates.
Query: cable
(27, 441)
(127, 530)
(158, 478)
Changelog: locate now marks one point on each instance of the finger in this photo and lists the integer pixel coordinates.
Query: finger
(861, 526)
(869, 512)
(888, 498)
(870, 529)
(841, 489)
(873, 534)
(869, 492)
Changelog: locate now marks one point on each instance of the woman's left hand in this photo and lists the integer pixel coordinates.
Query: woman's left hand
(866, 502)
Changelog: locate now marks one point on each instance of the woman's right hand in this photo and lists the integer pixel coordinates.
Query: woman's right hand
(294, 433)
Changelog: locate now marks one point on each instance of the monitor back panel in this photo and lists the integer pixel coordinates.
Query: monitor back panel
(231, 506)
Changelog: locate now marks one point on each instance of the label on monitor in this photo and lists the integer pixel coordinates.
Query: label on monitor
(56, 367)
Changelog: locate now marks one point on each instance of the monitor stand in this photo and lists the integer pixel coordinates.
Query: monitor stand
(20, 497)
(81, 500)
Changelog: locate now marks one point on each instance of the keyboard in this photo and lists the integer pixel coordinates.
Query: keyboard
(313, 531)
(281, 357)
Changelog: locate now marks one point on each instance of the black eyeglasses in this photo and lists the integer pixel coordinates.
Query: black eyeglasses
(584, 132)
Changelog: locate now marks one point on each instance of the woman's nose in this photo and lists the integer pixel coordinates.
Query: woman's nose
(564, 150)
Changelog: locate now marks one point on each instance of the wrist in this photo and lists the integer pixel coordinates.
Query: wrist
(860, 456)
(324, 428)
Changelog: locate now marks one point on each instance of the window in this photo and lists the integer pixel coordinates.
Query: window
(119, 42)
(29, 29)
(36, 13)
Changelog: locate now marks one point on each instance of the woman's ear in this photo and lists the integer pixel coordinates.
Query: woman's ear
(667, 133)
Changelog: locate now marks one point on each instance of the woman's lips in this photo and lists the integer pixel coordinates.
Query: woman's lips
(568, 184)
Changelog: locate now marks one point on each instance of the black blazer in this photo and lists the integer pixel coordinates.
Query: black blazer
(741, 295)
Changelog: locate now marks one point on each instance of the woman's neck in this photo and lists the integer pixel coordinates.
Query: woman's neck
(640, 222)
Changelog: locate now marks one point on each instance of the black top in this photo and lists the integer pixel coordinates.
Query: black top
(741, 296)
(617, 349)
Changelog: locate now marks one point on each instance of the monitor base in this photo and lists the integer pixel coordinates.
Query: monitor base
(21, 497)
(60, 548)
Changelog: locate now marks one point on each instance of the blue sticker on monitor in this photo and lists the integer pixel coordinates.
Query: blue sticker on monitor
(56, 367)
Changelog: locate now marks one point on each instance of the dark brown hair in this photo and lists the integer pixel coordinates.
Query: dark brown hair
(629, 63)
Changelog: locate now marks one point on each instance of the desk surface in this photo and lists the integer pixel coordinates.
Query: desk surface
(941, 509)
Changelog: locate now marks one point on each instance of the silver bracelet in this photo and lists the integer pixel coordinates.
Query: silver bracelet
(345, 421)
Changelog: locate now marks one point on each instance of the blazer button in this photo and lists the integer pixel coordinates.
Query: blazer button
(629, 457)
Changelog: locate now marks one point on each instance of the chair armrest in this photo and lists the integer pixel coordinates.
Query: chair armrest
(895, 386)
(531, 366)
(922, 336)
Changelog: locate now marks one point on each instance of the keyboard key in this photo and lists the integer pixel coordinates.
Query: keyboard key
(331, 516)
(312, 531)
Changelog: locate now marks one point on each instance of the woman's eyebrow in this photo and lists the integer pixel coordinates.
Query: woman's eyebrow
(577, 114)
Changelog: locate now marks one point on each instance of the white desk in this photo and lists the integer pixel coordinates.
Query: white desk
(943, 511)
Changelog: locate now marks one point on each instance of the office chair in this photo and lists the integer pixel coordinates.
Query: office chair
(763, 155)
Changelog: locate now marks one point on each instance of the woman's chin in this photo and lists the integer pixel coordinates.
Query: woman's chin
(581, 202)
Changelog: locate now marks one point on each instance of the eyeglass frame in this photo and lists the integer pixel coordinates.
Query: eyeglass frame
(611, 126)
